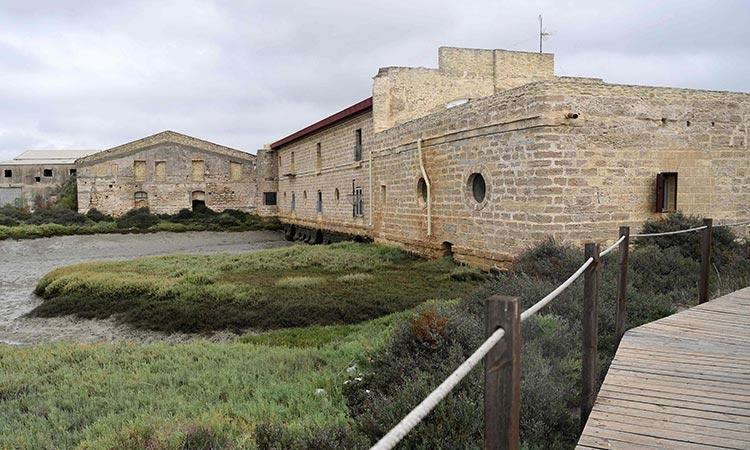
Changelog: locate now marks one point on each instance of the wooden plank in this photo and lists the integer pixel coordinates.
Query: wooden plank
(658, 430)
(732, 429)
(682, 382)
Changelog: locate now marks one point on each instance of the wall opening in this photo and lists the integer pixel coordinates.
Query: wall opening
(478, 187)
(446, 248)
(666, 192)
(160, 170)
(140, 199)
(199, 170)
(318, 159)
(269, 198)
(336, 195)
(47, 172)
(294, 202)
(7, 173)
(198, 200)
(422, 191)
(319, 237)
(72, 172)
(358, 145)
(319, 203)
(139, 170)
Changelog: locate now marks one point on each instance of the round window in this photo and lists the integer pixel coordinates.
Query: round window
(422, 190)
(478, 187)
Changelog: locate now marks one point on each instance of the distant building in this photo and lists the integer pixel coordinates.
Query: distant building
(166, 172)
(34, 178)
(491, 152)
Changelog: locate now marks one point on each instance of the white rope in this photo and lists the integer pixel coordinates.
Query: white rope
(551, 296)
(667, 233)
(416, 415)
(612, 247)
(732, 224)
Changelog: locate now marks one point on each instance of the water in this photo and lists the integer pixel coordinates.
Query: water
(23, 263)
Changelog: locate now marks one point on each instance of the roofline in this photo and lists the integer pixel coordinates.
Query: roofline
(364, 105)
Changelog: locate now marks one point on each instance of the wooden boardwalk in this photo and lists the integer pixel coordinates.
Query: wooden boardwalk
(682, 382)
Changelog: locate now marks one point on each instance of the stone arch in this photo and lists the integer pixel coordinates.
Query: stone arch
(198, 200)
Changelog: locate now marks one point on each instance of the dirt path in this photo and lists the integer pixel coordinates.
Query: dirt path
(23, 263)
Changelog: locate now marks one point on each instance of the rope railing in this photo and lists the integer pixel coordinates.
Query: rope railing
(733, 224)
(667, 233)
(393, 437)
(411, 420)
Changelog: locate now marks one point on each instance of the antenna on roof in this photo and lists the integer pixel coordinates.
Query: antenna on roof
(542, 34)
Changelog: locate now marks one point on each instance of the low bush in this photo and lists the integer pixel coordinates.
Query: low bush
(270, 289)
(425, 349)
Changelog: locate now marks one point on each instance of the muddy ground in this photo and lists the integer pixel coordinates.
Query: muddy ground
(23, 263)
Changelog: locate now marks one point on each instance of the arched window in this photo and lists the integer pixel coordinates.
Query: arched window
(140, 199)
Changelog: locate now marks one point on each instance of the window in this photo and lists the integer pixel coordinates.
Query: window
(269, 198)
(422, 191)
(291, 163)
(47, 172)
(113, 170)
(140, 199)
(199, 170)
(235, 170)
(318, 159)
(160, 169)
(319, 203)
(358, 145)
(336, 195)
(294, 202)
(198, 200)
(359, 202)
(72, 172)
(8, 173)
(139, 170)
(37, 179)
(478, 187)
(383, 195)
(666, 192)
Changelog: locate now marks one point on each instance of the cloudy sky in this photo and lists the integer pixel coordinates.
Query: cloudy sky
(99, 73)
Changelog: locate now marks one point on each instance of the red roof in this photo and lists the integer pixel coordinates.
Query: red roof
(364, 105)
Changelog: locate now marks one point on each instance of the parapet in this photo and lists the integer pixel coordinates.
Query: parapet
(401, 94)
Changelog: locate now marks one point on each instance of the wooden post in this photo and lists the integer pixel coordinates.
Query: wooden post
(590, 332)
(622, 286)
(502, 375)
(706, 243)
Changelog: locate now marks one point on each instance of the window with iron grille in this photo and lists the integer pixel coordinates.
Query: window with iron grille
(666, 192)
(359, 202)
(269, 198)
(358, 145)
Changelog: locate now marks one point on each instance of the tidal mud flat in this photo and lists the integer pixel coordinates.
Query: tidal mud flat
(23, 263)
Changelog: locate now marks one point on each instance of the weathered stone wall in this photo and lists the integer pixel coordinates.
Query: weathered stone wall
(337, 171)
(401, 94)
(547, 175)
(268, 181)
(34, 194)
(107, 181)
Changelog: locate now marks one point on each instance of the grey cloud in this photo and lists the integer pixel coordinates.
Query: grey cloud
(244, 73)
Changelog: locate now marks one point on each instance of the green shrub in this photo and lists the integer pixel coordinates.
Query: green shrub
(137, 218)
(8, 221)
(97, 216)
(58, 216)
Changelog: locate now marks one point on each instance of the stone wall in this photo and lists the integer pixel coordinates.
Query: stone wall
(29, 185)
(401, 94)
(549, 175)
(268, 181)
(335, 175)
(570, 158)
(107, 181)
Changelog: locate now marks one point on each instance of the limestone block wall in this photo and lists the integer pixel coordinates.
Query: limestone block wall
(107, 181)
(335, 175)
(268, 181)
(30, 187)
(549, 175)
(401, 94)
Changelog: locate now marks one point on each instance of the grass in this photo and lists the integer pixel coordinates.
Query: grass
(297, 286)
(197, 395)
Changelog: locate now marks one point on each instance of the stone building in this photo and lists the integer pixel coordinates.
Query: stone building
(35, 178)
(166, 172)
(491, 152)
